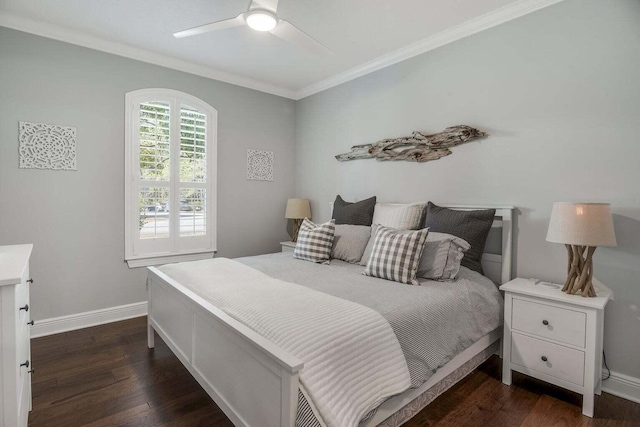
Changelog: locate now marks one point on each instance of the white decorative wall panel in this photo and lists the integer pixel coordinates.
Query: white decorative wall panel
(44, 146)
(259, 165)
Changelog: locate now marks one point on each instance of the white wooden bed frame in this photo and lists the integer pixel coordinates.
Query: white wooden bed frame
(252, 380)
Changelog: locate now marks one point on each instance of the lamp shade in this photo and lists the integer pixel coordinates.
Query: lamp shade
(584, 224)
(298, 209)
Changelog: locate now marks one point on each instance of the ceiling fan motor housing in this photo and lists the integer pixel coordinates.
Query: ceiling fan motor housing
(261, 20)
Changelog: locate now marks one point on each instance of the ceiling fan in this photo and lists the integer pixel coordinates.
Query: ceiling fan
(261, 16)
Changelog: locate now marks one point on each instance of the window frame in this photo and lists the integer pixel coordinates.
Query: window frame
(176, 248)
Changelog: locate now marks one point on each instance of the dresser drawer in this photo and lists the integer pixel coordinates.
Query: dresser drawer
(22, 341)
(24, 405)
(15, 380)
(559, 324)
(561, 362)
(23, 354)
(22, 295)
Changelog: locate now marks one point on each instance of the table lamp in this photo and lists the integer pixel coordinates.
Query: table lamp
(581, 227)
(297, 210)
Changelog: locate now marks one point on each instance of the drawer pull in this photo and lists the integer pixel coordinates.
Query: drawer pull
(25, 308)
(25, 364)
(30, 323)
(545, 322)
(544, 358)
(30, 281)
(31, 371)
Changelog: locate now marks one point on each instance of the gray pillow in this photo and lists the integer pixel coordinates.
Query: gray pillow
(349, 242)
(472, 226)
(367, 250)
(359, 213)
(440, 258)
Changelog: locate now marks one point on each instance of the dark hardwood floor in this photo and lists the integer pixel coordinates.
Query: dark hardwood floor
(106, 376)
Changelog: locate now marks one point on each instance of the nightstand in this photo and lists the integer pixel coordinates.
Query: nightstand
(554, 337)
(288, 246)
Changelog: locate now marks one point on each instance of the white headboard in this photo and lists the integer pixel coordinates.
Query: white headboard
(497, 267)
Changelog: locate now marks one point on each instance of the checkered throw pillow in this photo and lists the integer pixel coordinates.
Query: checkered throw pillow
(396, 256)
(315, 241)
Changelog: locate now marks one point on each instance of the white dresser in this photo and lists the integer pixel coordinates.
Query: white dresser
(15, 350)
(554, 337)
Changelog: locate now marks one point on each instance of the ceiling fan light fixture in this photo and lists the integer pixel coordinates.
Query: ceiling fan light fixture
(261, 20)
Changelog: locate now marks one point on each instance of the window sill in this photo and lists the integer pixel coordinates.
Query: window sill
(168, 259)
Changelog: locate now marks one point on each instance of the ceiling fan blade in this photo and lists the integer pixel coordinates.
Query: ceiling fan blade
(270, 5)
(214, 26)
(292, 34)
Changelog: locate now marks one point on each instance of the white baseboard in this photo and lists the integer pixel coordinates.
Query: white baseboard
(72, 322)
(623, 386)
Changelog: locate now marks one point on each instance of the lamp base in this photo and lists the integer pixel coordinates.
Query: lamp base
(580, 271)
(296, 229)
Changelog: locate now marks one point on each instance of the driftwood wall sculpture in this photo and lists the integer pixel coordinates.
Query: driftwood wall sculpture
(418, 147)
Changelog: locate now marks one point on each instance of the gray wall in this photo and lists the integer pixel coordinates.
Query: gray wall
(76, 219)
(557, 90)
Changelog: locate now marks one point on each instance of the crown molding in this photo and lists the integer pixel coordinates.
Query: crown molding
(78, 38)
(468, 28)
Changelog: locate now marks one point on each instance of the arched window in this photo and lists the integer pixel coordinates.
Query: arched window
(170, 177)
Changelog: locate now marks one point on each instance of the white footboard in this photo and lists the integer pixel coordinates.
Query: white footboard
(252, 380)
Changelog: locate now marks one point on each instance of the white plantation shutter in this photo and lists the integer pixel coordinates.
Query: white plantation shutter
(154, 168)
(170, 176)
(193, 170)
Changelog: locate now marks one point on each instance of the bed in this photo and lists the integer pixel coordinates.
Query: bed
(257, 383)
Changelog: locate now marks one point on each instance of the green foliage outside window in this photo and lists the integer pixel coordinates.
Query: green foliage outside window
(154, 157)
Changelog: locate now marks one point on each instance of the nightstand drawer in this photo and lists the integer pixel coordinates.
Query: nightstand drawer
(561, 362)
(288, 246)
(559, 324)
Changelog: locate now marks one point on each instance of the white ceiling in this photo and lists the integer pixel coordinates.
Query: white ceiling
(359, 32)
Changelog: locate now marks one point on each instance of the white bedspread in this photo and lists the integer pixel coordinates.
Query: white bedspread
(352, 358)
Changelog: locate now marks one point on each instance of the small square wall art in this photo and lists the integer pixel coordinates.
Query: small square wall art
(44, 146)
(259, 165)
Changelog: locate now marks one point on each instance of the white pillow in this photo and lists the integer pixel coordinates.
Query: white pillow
(399, 216)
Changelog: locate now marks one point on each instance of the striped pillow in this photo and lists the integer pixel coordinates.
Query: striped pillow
(400, 216)
(315, 241)
(396, 256)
